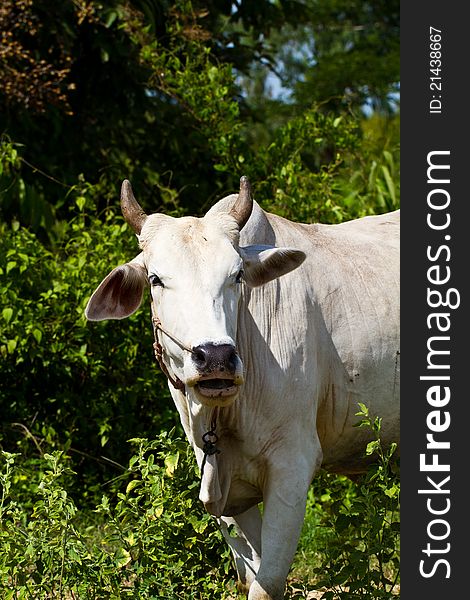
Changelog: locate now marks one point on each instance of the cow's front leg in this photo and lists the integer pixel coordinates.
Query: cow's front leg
(243, 534)
(284, 500)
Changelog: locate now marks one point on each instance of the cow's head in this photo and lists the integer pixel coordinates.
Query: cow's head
(195, 269)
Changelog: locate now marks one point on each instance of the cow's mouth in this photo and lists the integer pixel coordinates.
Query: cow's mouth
(217, 387)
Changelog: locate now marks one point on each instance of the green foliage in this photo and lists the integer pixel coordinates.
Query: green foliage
(152, 539)
(19, 201)
(88, 385)
(162, 522)
(346, 54)
(301, 167)
(153, 91)
(352, 530)
(382, 157)
(37, 540)
(163, 93)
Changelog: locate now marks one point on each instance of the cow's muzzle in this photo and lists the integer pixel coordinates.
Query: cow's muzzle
(218, 369)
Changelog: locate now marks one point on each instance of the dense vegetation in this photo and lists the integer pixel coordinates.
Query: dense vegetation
(177, 97)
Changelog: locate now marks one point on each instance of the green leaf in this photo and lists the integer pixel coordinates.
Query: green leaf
(171, 464)
(80, 202)
(122, 558)
(10, 265)
(342, 522)
(132, 485)
(7, 314)
(364, 411)
(372, 176)
(389, 182)
(372, 447)
(130, 539)
(112, 16)
(393, 491)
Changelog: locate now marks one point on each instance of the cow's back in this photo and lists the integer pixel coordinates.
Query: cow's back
(344, 301)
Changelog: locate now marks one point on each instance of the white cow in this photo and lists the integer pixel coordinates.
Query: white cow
(267, 371)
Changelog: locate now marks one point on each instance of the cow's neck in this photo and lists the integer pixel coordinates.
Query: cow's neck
(198, 421)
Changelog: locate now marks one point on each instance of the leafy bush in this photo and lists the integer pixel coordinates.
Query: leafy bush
(91, 386)
(299, 172)
(350, 543)
(152, 539)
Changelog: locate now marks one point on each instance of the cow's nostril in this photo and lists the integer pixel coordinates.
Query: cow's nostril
(199, 356)
(215, 357)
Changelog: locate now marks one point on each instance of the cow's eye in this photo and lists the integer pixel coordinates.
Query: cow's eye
(240, 276)
(155, 280)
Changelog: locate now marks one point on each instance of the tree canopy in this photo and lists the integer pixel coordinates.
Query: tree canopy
(166, 93)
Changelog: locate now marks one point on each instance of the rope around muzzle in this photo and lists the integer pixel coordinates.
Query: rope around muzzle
(158, 349)
(210, 438)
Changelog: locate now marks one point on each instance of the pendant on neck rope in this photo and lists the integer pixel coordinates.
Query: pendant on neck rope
(210, 439)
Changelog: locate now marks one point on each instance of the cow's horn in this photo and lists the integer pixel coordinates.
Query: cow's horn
(131, 209)
(242, 208)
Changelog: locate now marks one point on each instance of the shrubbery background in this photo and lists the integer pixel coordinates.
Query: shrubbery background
(174, 96)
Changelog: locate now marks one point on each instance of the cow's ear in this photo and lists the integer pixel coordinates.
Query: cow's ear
(120, 292)
(265, 263)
